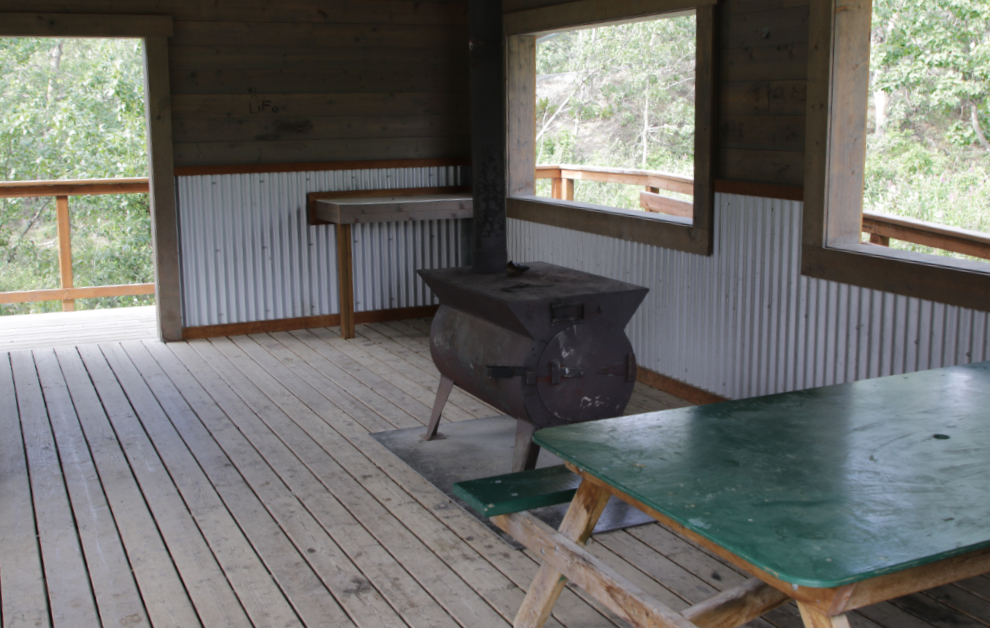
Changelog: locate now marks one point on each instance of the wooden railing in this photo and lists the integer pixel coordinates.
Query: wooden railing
(880, 227)
(883, 228)
(62, 190)
(563, 177)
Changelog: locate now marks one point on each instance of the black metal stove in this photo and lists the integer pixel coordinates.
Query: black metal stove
(547, 347)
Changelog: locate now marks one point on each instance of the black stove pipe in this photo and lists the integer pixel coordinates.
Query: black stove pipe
(488, 134)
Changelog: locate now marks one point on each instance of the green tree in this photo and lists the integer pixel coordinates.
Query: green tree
(619, 95)
(936, 55)
(928, 157)
(73, 109)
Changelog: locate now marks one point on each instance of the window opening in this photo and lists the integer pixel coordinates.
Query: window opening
(928, 115)
(615, 115)
(73, 109)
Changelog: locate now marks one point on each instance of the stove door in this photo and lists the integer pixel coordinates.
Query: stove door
(586, 372)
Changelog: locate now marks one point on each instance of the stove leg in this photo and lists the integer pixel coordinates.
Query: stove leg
(526, 452)
(443, 391)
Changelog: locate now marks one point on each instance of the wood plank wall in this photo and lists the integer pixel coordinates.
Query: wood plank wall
(261, 82)
(284, 81)
(763, 71)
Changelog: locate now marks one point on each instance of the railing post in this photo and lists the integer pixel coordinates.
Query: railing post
(557, 188)
(64, 249)
(567, 189)
(876, 238)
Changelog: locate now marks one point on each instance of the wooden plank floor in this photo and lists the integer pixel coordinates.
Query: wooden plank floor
(37, 331)
(232, 482)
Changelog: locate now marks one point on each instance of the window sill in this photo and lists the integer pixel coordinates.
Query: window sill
(946, 280)
(669, 232)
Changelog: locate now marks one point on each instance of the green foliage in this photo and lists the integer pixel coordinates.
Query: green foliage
(602, 91)
(619, 96)
(73, 109)
(936, 56)
(558, 148)
(928, 157)
(906, 178)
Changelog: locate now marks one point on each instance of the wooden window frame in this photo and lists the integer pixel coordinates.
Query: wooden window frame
(155, 31)
(835, 155)
(693, 235)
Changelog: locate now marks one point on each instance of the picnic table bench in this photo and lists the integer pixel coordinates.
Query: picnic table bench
(836, 497)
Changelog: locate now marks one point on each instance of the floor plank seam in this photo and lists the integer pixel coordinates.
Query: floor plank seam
(223, 376)
(103, 392)
(366, 403)
(102, 484)
(345, 438)
(288, 535)
(36, 536)
(182, 433)
(379, 386)
(134, 539)
(365, 454)
(59, 451)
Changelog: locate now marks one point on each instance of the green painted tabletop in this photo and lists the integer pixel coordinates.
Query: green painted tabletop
(820, 487)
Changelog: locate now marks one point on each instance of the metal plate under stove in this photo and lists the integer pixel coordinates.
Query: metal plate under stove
(547, 347)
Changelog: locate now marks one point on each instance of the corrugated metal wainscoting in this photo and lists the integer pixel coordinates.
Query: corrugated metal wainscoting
(248, 253)
(745, 322)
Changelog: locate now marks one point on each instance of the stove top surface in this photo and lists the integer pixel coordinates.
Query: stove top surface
(541, 282)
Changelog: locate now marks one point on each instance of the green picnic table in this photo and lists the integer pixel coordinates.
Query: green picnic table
(836, 497)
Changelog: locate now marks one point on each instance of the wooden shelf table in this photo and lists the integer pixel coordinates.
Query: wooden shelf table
(836, 497)
(344, 209)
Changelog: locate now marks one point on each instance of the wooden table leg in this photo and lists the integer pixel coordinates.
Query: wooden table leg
(578, 524)
(345, 281)
(814, 618)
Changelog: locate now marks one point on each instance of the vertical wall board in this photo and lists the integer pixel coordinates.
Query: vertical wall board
(249, 254)
(745, 322)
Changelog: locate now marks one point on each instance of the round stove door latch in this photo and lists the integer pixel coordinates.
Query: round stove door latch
(592, 372)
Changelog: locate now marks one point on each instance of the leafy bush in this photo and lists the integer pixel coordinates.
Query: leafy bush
(619, 96)
(928, 157)
(948, 186)
(623, 96)
(73, 109)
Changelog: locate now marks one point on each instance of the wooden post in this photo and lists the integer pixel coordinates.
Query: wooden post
(567, 189)
(64, 249)
(521, 131)
(876, 238)
(164, 213)
(557, 188)
(345, 281)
